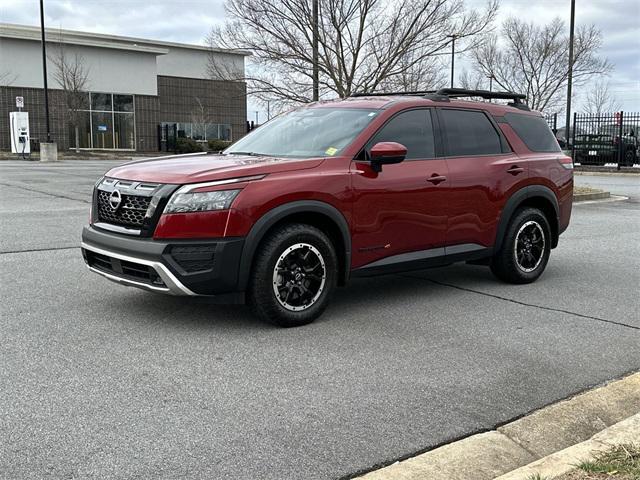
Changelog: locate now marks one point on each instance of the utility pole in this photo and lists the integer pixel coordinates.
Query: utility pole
(268, 110)
(453, 55)
(256, 118)
(316, 73)
(570, 74)
(44, 71)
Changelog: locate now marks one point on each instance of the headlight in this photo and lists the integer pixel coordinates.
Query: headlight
(200, 201)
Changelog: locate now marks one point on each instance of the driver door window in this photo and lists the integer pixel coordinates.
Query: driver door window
(413, 129)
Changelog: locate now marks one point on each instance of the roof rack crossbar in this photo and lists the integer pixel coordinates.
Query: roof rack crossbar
(451, 93)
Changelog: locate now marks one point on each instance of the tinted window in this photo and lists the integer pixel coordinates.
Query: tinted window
(413, 129)
(470, 133)
(534, 132)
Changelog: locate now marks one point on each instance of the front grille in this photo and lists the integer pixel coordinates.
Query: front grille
(130, 213)
(194, 258)
(123, 268)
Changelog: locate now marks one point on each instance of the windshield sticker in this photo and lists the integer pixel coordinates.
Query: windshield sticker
(331, 151)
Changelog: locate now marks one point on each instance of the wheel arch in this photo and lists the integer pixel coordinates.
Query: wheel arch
(319, 214)
(536, 196)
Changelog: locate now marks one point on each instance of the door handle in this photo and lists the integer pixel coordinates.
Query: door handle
(515, 170)
(436, 179)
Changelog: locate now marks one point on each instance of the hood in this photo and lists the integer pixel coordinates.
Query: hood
(181, 169)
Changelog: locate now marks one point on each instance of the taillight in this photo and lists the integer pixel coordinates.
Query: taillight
(566, 162)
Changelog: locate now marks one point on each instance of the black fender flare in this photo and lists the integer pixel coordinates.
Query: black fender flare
(269, 219)
(515, 200)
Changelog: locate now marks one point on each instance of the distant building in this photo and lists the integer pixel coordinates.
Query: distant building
(135, 87)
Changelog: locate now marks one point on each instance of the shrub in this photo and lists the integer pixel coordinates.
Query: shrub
(187, 145)
(218, 145)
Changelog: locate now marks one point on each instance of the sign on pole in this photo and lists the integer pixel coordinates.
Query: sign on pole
(20, 102)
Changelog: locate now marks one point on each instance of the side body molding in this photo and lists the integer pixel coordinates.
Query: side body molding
(515, 200)
(269, 219)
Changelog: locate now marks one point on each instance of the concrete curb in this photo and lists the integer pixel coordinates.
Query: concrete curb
(582, 197)
(555, 428)
(592, 173)
(558, 463)
(594, 170)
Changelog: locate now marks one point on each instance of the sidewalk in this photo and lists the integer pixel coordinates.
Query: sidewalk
(548, 441)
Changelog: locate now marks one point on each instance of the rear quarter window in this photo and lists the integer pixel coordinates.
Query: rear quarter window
(534, 132)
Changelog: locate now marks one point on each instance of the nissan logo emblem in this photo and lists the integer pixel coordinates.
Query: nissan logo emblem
(115, 199)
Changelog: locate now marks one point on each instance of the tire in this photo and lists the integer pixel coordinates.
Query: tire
(629, 157)
(298, 262)
(532, 257)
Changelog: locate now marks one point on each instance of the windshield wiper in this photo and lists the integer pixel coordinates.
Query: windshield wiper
(251, 154)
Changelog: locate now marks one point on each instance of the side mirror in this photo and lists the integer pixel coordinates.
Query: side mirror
(385, 153)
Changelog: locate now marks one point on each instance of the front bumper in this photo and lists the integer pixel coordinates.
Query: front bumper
(176, 267)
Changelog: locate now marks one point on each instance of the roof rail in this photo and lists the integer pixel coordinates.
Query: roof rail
(447, 93)
(390, 94)
(486, 94)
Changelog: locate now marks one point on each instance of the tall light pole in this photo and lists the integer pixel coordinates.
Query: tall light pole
(453, 55)
(316, 73)
(44, 72)
(570, 73)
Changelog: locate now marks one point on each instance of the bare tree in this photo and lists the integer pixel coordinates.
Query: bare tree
(7, 78)
(72, 76)
(534, 60)
(364, 45)
(427, 73)
(599, 100)
(200, 117)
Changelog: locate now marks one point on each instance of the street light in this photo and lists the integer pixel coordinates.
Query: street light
(570, 73)
(453, 54)
(44, 72)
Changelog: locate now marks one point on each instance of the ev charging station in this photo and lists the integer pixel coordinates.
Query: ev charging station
(19, 130)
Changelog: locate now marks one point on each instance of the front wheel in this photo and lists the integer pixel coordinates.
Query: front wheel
(526, 248)
(294, 276)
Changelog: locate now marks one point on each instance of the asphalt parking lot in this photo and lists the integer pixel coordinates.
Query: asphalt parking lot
(98, 380)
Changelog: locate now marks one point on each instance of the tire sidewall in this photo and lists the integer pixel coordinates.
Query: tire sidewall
(262, 295)
(520, 219)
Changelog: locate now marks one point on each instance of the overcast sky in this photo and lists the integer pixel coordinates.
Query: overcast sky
(189, 21)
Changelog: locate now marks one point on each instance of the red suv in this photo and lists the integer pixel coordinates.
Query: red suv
(363, 186)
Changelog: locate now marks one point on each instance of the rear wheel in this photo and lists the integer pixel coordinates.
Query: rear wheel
(629, 157)
(525, 249)
(294, 276)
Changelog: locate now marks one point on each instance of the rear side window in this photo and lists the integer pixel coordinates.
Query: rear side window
(413, 129)
(470, 133)
(534, 132)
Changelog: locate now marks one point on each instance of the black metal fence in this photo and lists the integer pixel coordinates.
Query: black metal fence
(552, 120)
(606, 139)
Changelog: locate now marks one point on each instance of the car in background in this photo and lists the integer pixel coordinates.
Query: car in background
(603, 146)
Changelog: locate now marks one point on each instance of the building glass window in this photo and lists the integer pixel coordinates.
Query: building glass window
(102, 130)
(123, 103)
(101, 102)
(198, 131)
(84, 131)
(123, 127)
(107, 123)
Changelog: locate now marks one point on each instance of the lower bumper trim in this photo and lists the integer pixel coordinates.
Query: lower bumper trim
(172, 286)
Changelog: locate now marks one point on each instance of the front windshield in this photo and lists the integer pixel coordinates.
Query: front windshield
(305, 133)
